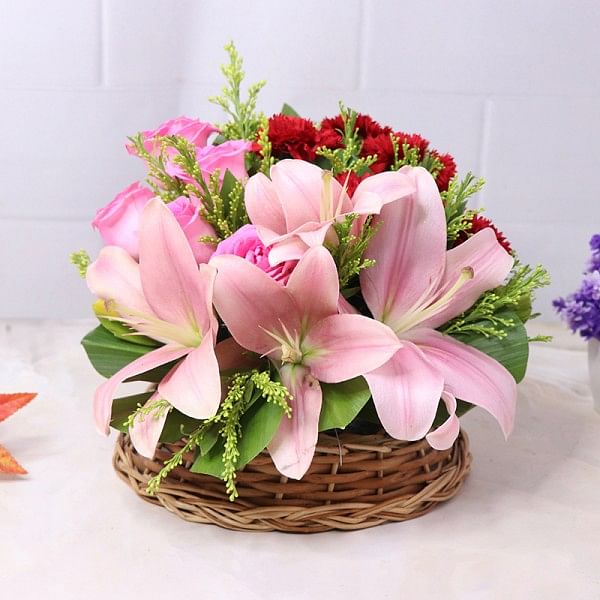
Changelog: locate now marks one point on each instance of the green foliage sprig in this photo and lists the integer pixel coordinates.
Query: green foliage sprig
(267, 160)
(485, 316)
(153, 410)
(457, 196)
(349, 252)
(348, 157)
(81, 260)
(245, 388)
(244, 122)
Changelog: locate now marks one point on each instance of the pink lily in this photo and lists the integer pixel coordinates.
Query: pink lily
(294, 210)
(298, 327)
(416, 286)
(168, 298)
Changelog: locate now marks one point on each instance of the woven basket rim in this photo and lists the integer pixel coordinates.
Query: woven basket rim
(355, 481)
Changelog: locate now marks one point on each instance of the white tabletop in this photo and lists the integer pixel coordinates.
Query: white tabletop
(526, 525)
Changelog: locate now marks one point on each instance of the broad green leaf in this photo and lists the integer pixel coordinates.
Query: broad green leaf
(108, 354)
(229, 181)
(177, 426)
(259, 425)
(288, 111)
(342, 402)
(125, 406)
(511, 351)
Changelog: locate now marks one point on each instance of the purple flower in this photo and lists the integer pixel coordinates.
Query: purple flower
(581, 310)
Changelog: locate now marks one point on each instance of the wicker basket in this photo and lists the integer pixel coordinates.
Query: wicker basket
(354, 482)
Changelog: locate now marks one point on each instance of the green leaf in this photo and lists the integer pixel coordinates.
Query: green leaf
(442, 414)
(229, 181)
(125, 406)
(177, 426)
(511, 351)
(342, 402)
(108, 354)
(259, 425)
(288, 111)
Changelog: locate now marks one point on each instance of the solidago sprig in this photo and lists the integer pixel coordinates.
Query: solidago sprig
(485, 316)
(349, 252)
(244, 122)
(348, 157)
(81, 260)
(245, 388)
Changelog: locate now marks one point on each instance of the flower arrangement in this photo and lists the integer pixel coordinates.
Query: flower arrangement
(276, 277)
(581, 309)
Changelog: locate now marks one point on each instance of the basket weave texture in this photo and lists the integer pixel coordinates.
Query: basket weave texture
(354, 482)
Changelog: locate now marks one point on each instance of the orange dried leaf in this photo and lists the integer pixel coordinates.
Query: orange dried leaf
(11, 403)
(9, 465)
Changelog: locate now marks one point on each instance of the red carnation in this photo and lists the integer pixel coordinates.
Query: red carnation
(332, 128)
(414, 140)
(382, 146)
(293, 137)
(477, 224)
(448, 170)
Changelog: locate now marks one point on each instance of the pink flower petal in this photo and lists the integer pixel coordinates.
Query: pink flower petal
(251, 303)
(299, 185)
(406, 392)
(169, 272)
(146, 431)
(341, 347)
(194, 386)
(316, 268)
(105, 393)
(409, 251)
(471, 375)
(293, 447)
(490, 263)
(345, 308)
(445, 435)
(374, 192)
(114, 275)
(263, 205)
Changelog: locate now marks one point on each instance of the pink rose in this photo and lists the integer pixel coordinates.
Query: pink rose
(118, 222)
(194, 227)
(193, 130)
(228, 155)
(246, 243)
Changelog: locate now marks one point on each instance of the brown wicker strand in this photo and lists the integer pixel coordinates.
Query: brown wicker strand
(355, 482)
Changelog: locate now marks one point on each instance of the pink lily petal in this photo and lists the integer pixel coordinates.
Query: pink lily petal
(105, 393)
(263, 205)
(292, 246)
(293, 447)
(341, 347)
(230, 355)
(299, 185)
(114, 275)
(251, 303)
(374, 192)
(194, 386)
(490, 263)
(409, 251)
(445, 435)
(169, 272)
(345, 308)
(471, 375)
(316, 267)
(406, 392)
(146, 431)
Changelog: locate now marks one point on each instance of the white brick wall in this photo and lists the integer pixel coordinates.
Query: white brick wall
(510, 88)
